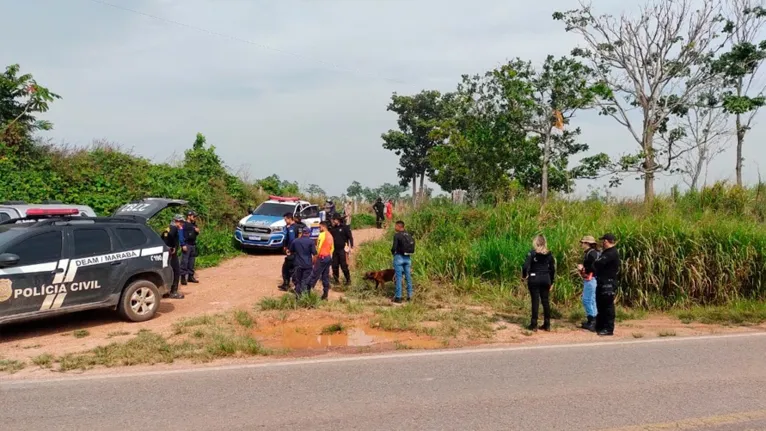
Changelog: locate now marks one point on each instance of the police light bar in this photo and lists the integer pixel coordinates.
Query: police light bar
(36, 212)
(284, 199)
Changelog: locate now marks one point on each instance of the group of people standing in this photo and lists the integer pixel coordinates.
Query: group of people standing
(181, 238)
(383, 212)
(598, 270)
(307, 262)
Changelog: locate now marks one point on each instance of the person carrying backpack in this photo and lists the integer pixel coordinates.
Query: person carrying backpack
(402, 249)
(587, 272)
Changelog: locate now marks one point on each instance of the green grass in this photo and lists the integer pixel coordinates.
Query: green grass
(335, 328)
(361, 221)
(666, 333)
(11, 366)
(244, 318)
(117, 334)
(737, 313)
(81, 333)
(700, 248)
(288, 301)
(43, 361)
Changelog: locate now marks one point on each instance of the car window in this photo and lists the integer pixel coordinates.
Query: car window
(43, 248)
(310, 212)
(131, 237)
(91, 242)
(273, 209)
(4, 217)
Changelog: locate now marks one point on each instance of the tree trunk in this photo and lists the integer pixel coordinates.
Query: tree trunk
(421, 192)
(650, 165)
(546, 161)
(740, 141)
(414, 191)
(698, 168)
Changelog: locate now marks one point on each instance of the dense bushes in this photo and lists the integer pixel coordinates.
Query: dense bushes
(705, 247)
(104, 178)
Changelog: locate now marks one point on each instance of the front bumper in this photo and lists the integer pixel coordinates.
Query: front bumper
(259, 240)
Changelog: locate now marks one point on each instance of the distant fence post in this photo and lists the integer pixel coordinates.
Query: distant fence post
(458, 197)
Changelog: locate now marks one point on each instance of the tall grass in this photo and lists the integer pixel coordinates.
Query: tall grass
(698, 248)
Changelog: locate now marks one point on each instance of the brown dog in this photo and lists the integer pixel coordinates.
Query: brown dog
(380, 277)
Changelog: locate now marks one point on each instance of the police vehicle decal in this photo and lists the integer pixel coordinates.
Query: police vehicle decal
(261, 220)
(63, 282)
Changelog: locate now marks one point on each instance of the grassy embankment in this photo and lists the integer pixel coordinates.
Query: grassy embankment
(699, 256)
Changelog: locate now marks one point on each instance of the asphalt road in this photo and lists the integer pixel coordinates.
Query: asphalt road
(706, 384)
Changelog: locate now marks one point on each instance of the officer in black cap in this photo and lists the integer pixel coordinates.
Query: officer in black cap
(606, 268)
(190, 232)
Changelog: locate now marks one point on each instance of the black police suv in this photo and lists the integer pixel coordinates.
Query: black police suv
(62, 263)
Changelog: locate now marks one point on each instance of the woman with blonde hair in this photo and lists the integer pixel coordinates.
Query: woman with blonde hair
(539, 271)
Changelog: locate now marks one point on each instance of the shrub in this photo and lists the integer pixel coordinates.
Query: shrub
(691, 251)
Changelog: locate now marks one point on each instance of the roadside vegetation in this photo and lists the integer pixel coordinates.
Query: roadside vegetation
(701, 252)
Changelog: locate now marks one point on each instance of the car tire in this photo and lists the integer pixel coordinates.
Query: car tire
(140, 301)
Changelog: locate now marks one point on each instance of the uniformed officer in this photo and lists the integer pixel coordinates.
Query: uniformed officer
(188, 237)
(291, 234)
(343, 241)
(304, 250)
(379, 209)
(606, 267)
(171, 238)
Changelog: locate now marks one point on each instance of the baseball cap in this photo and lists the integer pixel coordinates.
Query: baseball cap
(307, 231)
(608, 237)
(178, 217)
(191, 213)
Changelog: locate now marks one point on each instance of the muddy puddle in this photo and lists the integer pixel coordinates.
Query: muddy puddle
(315, 337)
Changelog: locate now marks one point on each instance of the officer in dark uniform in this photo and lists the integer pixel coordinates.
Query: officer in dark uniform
(342, 237)
(606, 267)
(291, 234)
(190, 231)
(171, 238)
(379, 209)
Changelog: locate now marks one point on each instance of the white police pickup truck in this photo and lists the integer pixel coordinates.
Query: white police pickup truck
(264, 228)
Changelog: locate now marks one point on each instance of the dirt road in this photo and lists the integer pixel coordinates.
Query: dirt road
(237, 283)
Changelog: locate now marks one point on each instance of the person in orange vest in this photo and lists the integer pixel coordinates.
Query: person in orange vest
(322, 261)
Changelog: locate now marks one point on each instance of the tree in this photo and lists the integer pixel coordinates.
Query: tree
(498, 130)
(314, 190)
(275, 186)
(702, 131)
(355, 190)
(392, 191)
(21, 97)
(418, 116)
(544, 98)
(654, 62)
(738, 67)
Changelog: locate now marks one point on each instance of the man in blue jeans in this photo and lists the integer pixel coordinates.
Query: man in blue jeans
(403, 248)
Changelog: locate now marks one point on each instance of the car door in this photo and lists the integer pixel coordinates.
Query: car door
(310, 217)
(93, 258)
(31, 285)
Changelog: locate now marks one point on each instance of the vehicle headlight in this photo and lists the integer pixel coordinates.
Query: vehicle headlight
(240, 225)
(275, 229)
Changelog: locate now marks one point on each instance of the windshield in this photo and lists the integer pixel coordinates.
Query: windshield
(8, 233)
(273, 210)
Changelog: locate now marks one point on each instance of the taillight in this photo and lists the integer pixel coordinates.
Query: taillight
(35, 212)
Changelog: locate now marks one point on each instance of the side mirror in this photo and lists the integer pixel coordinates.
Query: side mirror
(250, 210)
(8, 259)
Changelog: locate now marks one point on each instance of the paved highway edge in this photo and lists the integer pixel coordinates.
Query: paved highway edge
(375, 357)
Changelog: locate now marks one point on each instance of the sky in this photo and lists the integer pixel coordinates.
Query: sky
(288, 87)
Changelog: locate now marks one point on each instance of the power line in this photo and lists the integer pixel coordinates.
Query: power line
(331, 65)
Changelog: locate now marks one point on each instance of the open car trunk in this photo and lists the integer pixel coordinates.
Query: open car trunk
(144, 209)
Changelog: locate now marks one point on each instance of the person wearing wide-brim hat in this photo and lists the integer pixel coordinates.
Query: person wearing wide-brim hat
(587, 272)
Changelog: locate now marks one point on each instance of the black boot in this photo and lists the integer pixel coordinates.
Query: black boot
(192, 279)
(532, 327)
(183, 280)
(174, 293)
(590, 325)
(546, 327)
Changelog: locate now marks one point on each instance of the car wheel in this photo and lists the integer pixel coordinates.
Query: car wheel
(140, 301)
